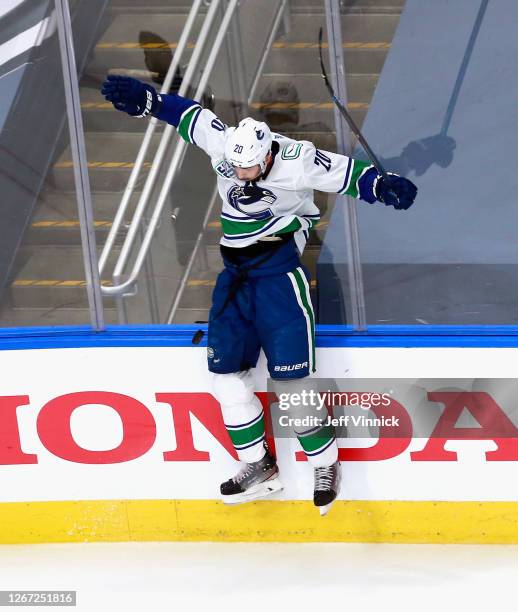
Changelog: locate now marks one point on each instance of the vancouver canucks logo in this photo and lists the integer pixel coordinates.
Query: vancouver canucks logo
(259, 134)
(252, 200)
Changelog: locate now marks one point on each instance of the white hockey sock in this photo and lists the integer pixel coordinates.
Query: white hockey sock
(318, 440)
(242, 414)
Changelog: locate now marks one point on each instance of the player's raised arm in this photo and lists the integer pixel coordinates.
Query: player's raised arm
(194, 124)
(334, 173)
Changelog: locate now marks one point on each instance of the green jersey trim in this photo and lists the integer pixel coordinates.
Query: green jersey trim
(359, 168)
(247, 228)
(185, 123)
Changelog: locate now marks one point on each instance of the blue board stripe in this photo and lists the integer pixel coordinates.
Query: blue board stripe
(327, 336)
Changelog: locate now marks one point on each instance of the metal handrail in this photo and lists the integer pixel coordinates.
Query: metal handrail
(192, 258)
(119, 289)
(130, 187)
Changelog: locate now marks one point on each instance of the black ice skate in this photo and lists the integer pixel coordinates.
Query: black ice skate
(254, 481)
(327, 486)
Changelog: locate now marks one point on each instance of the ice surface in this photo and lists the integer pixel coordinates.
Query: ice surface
(208, 576)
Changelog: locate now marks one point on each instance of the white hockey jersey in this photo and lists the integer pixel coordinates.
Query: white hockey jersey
(282, 201)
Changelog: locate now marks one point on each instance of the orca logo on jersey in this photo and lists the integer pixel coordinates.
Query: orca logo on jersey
(252, 200)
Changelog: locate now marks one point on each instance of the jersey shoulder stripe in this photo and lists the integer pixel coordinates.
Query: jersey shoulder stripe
(187, 123)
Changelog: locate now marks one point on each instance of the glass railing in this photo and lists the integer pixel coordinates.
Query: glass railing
(441, 115)
(42, 272)
(427, 98)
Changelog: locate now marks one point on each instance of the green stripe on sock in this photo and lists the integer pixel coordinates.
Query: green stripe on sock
(247, 435)
(358, 168)
(317, 440)
(185, 124)
(306, 301)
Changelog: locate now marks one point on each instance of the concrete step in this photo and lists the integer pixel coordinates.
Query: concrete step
(300, 61)
(50, 277)
(55, 295)
(65, 233)
(355, 28)
(283, 57)
(35, 317)
(55, 219)
(179, 6)
(350, 6)
(302, 99)
(184, 5)
(185, 316)
(275, 88)
(120, 47)
(126, 29)
(141, 5)
(58, 205)
(111, 157)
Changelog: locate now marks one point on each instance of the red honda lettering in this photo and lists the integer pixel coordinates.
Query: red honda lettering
(10, 449)
(494, 425)
(138, 424)
(207, 410)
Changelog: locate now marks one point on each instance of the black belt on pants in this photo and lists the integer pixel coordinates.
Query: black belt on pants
(239, 258)
(235, 256)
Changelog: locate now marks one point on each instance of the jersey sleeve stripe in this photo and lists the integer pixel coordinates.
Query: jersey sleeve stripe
(347, 179)
(185, 122)
(193, 124)
(358, 169)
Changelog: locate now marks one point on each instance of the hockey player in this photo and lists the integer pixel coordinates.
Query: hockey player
(261, 298)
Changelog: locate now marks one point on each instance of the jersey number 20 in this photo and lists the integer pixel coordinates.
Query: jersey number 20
(323, 160)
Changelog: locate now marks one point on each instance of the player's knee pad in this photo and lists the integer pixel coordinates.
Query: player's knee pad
(233, 389)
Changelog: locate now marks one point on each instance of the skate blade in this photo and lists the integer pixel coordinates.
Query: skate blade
(325, 509)
(258, 491)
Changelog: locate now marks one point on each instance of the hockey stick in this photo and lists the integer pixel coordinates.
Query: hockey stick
(354, 128)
